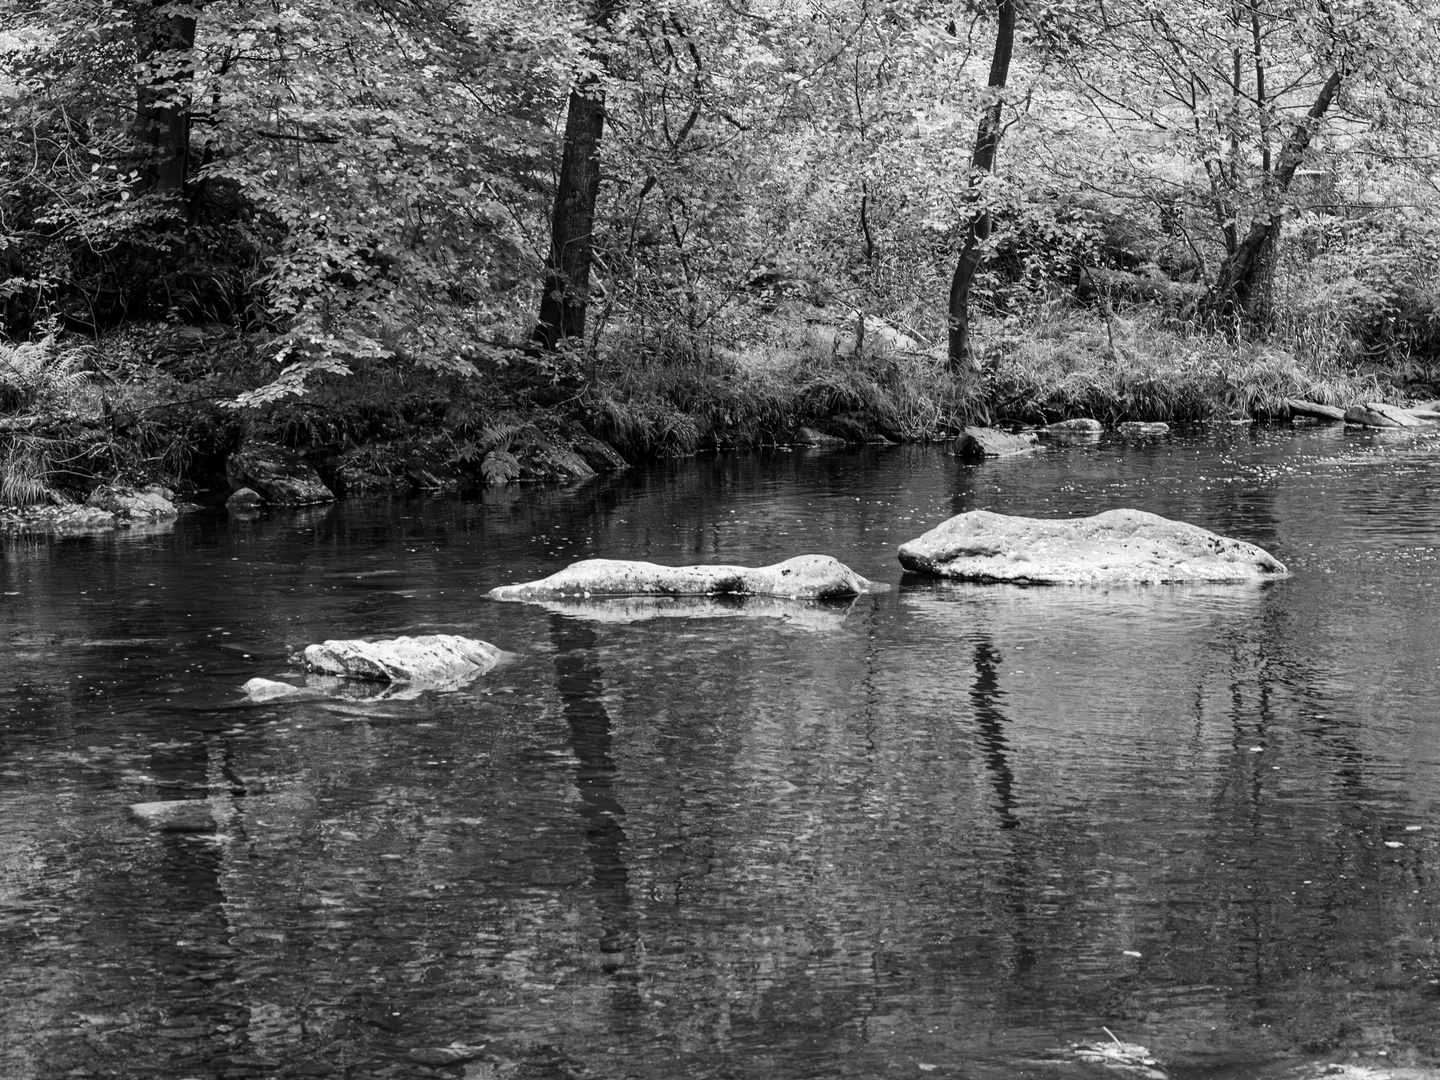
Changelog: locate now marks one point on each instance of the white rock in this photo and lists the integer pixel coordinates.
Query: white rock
(1118, 546)
(431, 658)
(805, 577)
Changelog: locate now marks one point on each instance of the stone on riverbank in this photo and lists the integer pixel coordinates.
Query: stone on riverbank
(1145, 428)
(805, 577)
(129, 504)
(1079, 425)
(978, 443)
(438, 659)
(1332, 413)
(1377, 414)
(1115, 547)
(279, 475)
(808, 436)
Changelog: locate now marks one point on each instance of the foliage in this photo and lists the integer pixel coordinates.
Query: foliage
(370, 185)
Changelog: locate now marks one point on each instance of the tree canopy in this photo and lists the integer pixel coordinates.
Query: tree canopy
(442, 182)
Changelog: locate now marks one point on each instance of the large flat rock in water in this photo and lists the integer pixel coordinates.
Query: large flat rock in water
(1116, 547)
(805, 577)
(437, 659)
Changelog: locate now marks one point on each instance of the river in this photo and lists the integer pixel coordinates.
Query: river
(944, 831)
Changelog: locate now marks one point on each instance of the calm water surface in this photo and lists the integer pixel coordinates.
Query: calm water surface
(947, 831)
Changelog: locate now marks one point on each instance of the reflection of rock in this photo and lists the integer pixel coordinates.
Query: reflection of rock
(976, 443)
(281, 476)
(805, 577)
(805, 614)
(318, 687)
(435, 660)
(1129, 546)
(177, 815)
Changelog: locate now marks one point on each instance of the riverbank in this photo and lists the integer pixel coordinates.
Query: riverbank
(154, 405)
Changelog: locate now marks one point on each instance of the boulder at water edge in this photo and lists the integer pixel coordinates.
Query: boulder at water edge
(978, 443)
(1077, 425)
(1116, 547)
(805, 577)
(279, 475)
(1377, 414)
(1315, 410)
(433, 659)
(129, 504)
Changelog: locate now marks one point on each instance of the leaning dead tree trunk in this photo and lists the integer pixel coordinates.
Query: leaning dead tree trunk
(1241, 289)
(982, 163)
(566, 295)
(165, 32)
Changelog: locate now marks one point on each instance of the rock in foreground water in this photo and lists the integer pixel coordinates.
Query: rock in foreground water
(805, 577)
(437, 659)
(1116, 547)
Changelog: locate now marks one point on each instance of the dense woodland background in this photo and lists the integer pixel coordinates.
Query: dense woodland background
(428, 240)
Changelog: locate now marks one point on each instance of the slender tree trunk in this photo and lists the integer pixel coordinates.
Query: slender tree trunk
(166, 36)
(567, 269)
(566, 295)
(1242, 286)
(982, 162)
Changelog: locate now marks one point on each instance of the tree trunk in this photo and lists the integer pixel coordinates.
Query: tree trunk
(165, 33)
(567, 269)
(572, 223)
(982, 162)
(1242, 287)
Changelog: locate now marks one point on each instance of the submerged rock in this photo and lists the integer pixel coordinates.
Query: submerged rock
(175, 815)
(433, 659)
(279, 475)
(243, 501)
(976, 443)
(1118, 546)
(270, 690)
(1377, 414)
(805, 577)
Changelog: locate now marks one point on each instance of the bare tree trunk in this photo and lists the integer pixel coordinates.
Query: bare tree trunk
(567, 269)
(987, 142)
(1242, 287)
(166, 35)
(572, 223)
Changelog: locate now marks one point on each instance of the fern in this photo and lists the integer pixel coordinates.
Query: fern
(35, 376)
(500, 467)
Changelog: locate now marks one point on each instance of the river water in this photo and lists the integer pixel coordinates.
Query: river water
(945, 831)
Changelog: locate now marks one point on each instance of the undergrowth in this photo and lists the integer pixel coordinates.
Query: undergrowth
(1132, 366)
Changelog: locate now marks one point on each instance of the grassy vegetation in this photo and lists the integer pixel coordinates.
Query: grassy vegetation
(149, 404)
